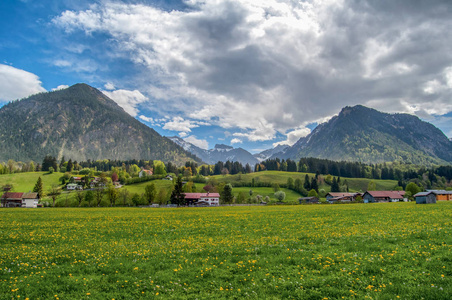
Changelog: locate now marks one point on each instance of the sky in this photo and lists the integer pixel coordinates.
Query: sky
(246, 73)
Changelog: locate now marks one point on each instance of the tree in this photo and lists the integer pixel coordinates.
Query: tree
(69, 166)
(275, 187)
(335, 186)
(280, 195)
(162, 197)
(79, 196)
(149, 193)
(112, 195)
(313, 193)
(412, 189)
(99, 194)
(290, 183)
(114, 177)
(159, 168)
(89, 197)
(177, 195)
(227, 195)
(371, 186)
(54, 192)
(11, 165)
(307, 184)
(51, 170)
(314, 185)
(124, 195)
(38, 188)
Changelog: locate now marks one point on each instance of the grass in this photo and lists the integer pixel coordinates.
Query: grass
(276, 252)
(24, 182)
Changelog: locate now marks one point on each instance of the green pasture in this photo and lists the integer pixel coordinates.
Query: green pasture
(351, 251)
(24, 182)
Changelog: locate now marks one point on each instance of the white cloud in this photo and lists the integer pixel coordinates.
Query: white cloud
(16, 83)
(179, 124)
(128, 100)
(109, 86)
(60, 87)
(183, 134)
(271, 66)
(293, 136)
(203, 144)
(146, 119)
(236, 141)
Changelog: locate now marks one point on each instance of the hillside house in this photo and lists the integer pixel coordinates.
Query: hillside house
(203, 199)
(145, 172)
(383, 196)
(425, 197)
(10, 199)
(30, 200)
(73, 187)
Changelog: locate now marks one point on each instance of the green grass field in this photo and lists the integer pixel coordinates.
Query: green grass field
(291, 196)
(356, 251)
(24, 182)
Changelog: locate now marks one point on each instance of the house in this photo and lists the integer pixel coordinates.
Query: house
(145, 172)
(442, 195)
(73, 186)
(425, 197)
(333, 197)
(308, 200)
(207, 199)
(76, 179)
(168, 177)
(30, 200)
(383, 196)
(12, 199)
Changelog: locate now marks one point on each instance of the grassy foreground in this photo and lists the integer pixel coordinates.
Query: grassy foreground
(375, 251)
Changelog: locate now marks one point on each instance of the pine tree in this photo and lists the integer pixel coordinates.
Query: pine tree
(227, 195)
(307, 184)
(335, 186)
(38, 188)
(177, 195)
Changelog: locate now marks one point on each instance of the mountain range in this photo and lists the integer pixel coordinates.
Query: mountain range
(363, 134)
(80, 123)
(219, 153)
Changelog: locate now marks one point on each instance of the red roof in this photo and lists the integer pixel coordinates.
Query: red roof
(201, 195)
(387, 194)
(12, 195)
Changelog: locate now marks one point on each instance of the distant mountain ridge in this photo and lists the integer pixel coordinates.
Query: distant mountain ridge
(220, 152)
(363, 134)
(264, 155)
(81, 123)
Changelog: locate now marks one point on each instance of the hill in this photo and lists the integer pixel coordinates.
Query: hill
(79, 123)
(363, 134)
(219, 153)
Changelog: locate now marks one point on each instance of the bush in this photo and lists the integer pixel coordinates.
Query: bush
(280, 195)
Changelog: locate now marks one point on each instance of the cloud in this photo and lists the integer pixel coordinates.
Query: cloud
(236, 141)
(293, 136)
(179, 124)
(60, 87)
(128, 100)
(16, 83)
(271, 66)
(109, 86)
(146, 119)
(203, 144)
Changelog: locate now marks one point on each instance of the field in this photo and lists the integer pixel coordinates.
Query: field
(374, 251)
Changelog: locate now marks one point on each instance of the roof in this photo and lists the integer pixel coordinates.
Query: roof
(9, 195)
(30, 196)
(387, 194)
(334, 194)
(421, 194)
(201, 195)
(440, 192)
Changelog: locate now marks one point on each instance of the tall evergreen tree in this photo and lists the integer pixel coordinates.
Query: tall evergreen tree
(335, 186)
(227, 195)
(307, 184)
(177, 195)
(38, 188)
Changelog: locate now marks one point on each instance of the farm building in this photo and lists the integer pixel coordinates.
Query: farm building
(145, 172)
(73, 186)
(341, 197)
(383, 196)
(308, 200)
(203, 199)
(30, 200)
(12, 199)
(442, 194)
(425, 197)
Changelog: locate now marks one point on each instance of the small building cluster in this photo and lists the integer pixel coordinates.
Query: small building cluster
(384, 196)
(431, 196)
(29, 200)
(202, 199)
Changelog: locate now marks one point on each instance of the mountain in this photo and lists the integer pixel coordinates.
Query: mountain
(264, 155)
(219, 153)
(81, 123)
(363, 134)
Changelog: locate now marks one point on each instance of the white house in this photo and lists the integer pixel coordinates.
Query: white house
(30, 200)
(208, 199)
(73, 186)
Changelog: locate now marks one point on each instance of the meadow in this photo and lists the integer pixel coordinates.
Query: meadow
(351, 251)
